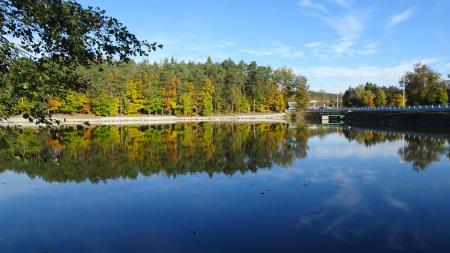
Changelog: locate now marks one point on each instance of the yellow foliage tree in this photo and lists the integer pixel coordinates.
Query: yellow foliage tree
(368, 98)
(53, 104)
(275, 99)
(398, 100)
(170, 95)
(135, 97)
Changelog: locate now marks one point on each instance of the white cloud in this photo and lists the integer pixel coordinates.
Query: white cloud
(343, 47)
(281, 50)
(343, 3)
(310, 4)
(338, 78)
(348, 23)
(400, 17)
(317, 45)
(226, 44)
(349, 26)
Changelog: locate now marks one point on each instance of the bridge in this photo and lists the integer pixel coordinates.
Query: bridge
(334, 115)
(412, 108)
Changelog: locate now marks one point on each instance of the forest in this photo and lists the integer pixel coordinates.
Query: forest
(423, 86)
(178, 88)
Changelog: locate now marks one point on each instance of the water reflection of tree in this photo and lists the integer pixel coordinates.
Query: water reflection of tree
(370, 138)
(422, 152)
(100, 153)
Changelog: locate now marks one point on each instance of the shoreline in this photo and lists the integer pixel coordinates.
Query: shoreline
(70, 120)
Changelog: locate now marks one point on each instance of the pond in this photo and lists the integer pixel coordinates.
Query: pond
(223, 188)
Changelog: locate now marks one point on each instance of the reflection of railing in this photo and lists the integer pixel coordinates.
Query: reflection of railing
(411, 108)
(408, 134)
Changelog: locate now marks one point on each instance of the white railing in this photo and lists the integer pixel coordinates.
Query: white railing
(412, 108)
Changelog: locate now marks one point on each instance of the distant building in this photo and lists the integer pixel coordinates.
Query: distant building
(292, 106)
(318, 104)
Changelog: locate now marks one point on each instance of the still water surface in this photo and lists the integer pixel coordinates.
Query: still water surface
(224, 188)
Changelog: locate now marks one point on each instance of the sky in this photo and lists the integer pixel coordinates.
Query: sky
(334, 43)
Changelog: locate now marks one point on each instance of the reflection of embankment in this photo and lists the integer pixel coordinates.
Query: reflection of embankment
(407, 134)
(106, 152)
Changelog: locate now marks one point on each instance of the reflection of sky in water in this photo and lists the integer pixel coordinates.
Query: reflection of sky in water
(337, 146)
(339, 198)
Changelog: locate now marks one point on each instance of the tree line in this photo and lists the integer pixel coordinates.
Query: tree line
(179, 88)
(423, 86)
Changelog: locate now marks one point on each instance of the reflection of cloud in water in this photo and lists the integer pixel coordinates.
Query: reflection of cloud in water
(339, 210)
(348, 195)
(395, 202)
(342, 215)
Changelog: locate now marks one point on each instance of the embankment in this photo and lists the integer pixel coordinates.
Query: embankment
(415, 121)
(135, 120)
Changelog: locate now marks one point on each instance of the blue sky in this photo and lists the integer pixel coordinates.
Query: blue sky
(334, 43)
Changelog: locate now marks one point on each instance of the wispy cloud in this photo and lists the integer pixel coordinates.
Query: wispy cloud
(343, 3)
(348, 23)
(280, 50)
(400, 17)
(310, 4)
(397, 203)
(226, 44)
(343, 47)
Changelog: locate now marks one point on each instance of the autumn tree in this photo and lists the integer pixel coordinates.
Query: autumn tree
(73, 102)
(380, 97)
(206, 98)
(397, 100)
(301, 93)
(368, 98)
(135, 96)
(24, 105)
(105, 105)
(53, 104)
(275, 99)
(187, 104)
(170, 95)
